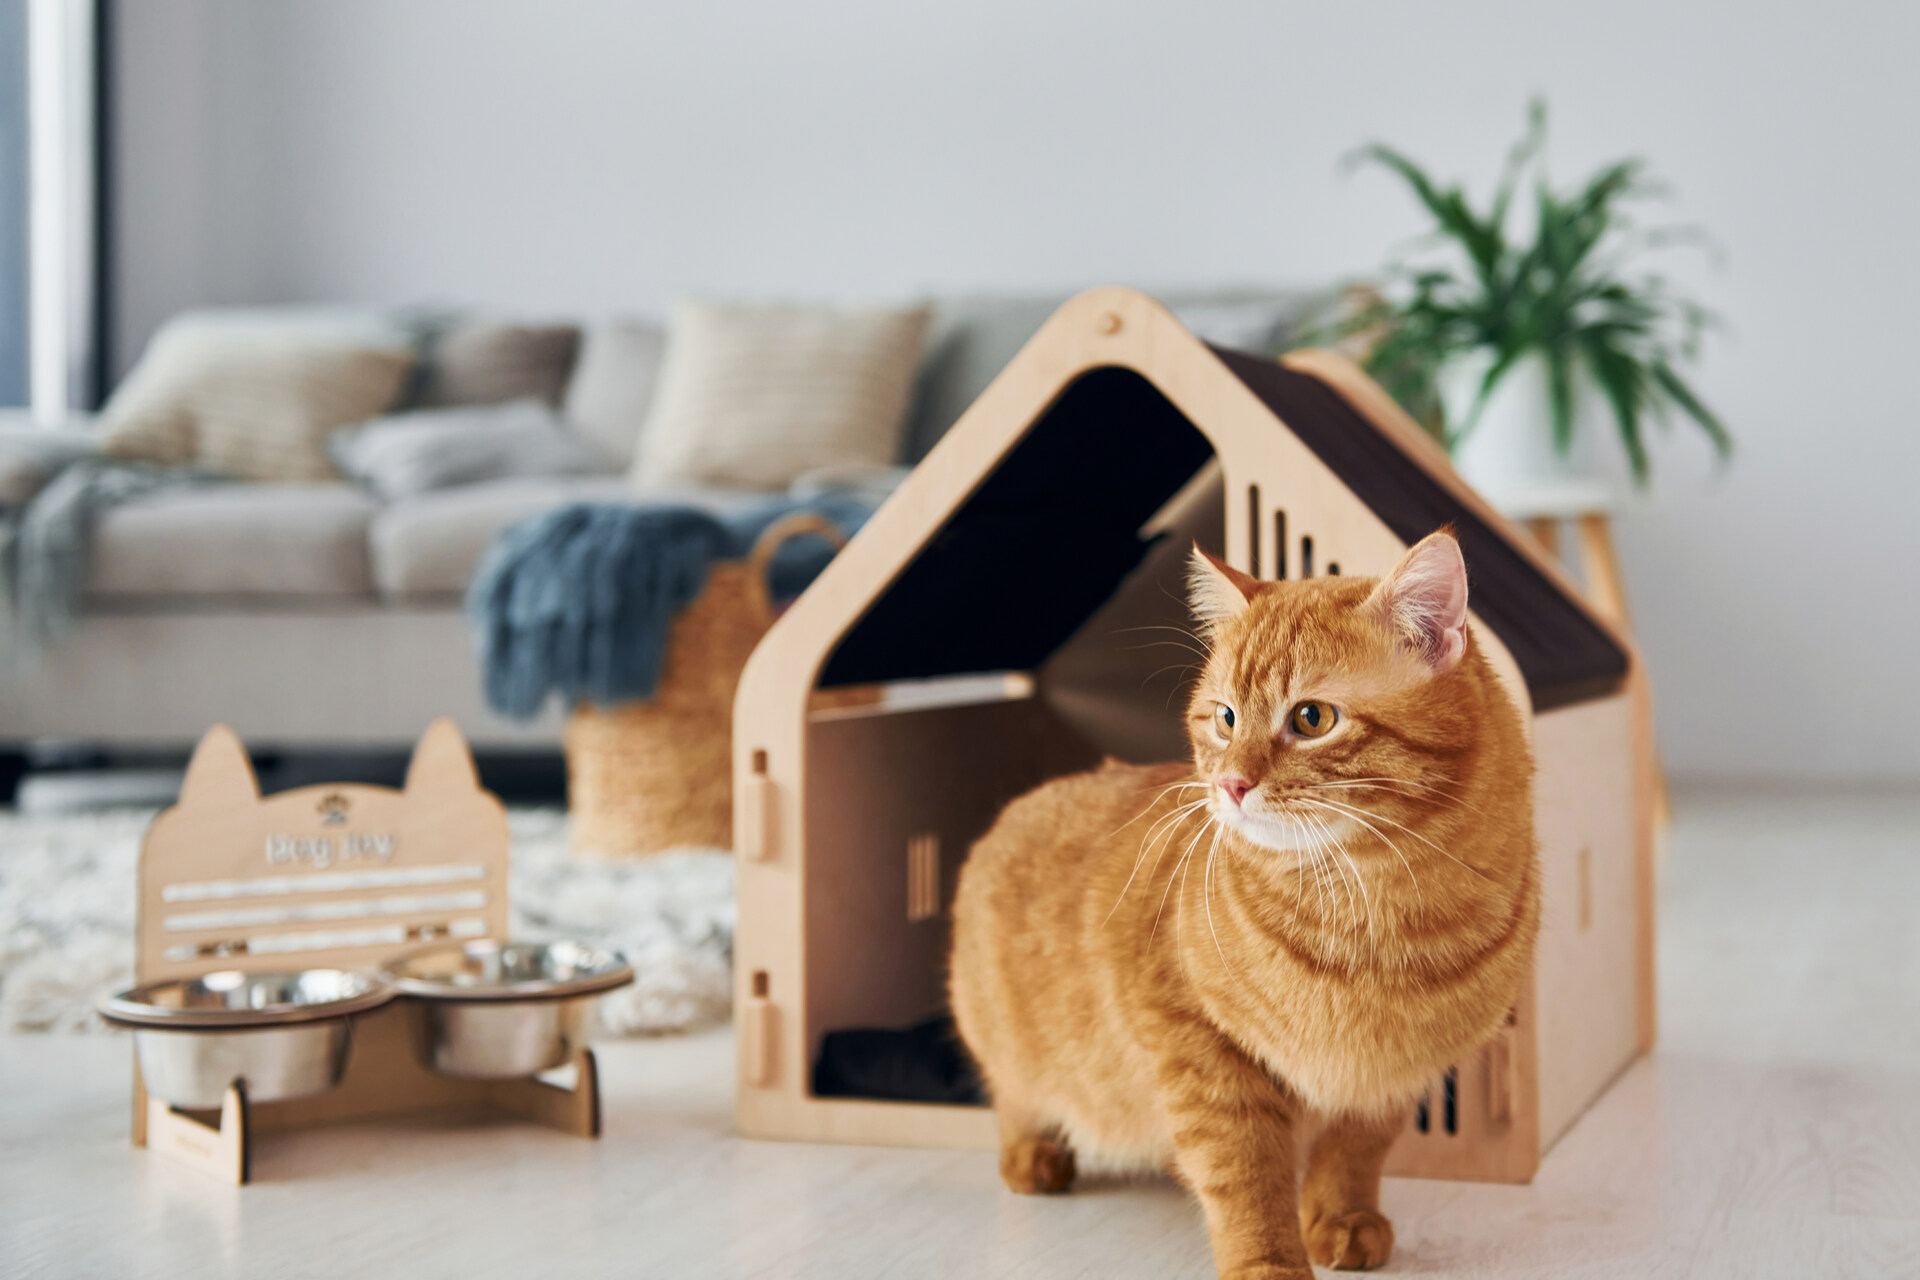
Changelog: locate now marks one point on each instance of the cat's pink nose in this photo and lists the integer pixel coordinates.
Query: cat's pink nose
(1235, 787)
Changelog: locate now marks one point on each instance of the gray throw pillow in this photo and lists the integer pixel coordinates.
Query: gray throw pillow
(613, 383)
(411, 453)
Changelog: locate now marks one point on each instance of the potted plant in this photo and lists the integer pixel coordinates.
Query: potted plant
(1515, 355)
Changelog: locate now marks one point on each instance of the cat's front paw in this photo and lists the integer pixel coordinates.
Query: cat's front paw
(1037, 1166)
(1357, 1241)
(1267, 1271)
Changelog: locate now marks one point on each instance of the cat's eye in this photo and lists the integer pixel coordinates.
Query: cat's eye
(1313, 719)
(1223, 715)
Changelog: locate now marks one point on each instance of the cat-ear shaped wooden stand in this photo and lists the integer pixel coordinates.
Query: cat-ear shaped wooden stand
(341, 877)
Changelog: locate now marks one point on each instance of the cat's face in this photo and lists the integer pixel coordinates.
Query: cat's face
(1332, 703)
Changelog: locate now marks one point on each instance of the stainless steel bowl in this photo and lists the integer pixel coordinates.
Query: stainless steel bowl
(283, 1035)
(503, 1010)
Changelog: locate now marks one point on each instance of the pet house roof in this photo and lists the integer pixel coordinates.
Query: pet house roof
(1054, 517)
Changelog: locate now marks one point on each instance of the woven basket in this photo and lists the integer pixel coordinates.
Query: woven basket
(654, 775)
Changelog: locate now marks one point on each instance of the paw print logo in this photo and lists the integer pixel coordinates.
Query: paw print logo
(333, 809)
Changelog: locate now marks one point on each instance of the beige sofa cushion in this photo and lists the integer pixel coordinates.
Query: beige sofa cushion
(426, 547)
(752, 396)
(279, 541)
(253, 403)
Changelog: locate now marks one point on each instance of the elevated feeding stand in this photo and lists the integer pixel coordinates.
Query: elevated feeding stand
(341, 877)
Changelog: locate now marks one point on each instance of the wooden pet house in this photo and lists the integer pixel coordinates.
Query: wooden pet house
(997, 612)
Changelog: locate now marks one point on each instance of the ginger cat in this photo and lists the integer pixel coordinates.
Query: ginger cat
(1268, 953)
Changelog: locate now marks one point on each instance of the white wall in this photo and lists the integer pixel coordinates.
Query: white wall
(588, 157)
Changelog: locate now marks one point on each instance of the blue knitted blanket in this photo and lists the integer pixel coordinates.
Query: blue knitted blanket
(579, 601)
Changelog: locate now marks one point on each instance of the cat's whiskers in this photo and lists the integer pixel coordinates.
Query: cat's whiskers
(1197, 663)
(1207, 893)
(1339, 849)
(1172, 817)
(1166, 644)
(1299, 884)
(1352, 905)
(1155, 842)
(1188, 641)
(1183, 870)
(1171, 875)
(1167, 822)
(1386, 784)
(1173, 821)
(1319, 876)
(1403, 782)
(1359, 878)
(1199, 660)
(1180, 907)
(1177, 666)
(1379, 835)
(1357, 814)
(1182, 632)
(1319, 882)
(1172, 786)
(1330, 903)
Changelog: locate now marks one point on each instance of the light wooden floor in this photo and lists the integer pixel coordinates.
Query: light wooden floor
(1776, 1133)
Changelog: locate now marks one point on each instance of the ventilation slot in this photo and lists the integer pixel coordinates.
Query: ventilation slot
(1333, 568)
(1253, 530)
(923, 877)
(760, 983)
(1449, 1117)
(1279, 546)
(1306, 557)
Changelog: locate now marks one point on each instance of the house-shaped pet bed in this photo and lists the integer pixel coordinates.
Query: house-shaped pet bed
(1011, 614)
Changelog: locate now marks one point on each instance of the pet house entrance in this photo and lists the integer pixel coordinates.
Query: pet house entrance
(1043, 627)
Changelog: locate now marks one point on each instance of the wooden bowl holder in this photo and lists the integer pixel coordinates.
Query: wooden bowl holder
(346, 877)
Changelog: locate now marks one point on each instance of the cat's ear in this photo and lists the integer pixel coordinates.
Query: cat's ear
(1218, 591)
(1424, 600)
(219, 773)
(442, 761)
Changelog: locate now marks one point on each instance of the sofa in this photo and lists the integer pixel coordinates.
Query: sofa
(319, 615)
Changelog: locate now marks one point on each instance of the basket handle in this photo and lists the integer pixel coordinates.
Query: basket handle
(772, 538)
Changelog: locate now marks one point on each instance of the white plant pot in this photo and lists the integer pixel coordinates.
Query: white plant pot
(1509, 455)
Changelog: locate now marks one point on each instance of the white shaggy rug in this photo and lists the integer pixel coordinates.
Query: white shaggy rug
(67, 895)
